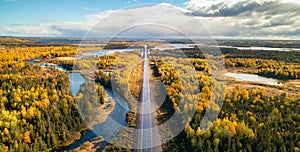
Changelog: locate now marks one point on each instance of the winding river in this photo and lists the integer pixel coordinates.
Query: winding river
(115, 121)
(110, 128)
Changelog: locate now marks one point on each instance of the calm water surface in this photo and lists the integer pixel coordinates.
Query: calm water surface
(254, 78)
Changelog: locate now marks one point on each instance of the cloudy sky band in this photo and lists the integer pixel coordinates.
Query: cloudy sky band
(263, 19)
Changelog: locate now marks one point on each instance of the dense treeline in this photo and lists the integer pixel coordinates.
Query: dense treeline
(193, 53)
(247, 62)
(205, 51)
(117, 45)
(131, 119)
(280, 71)
(249, 119)
(101, 62)
(103, 79)
(89, 101)
(14, 40)
(204, 65)
(67, 64)
(268, 68)
(77, 64)
(286, 56)
(38, 112)
(174, 80)
(261, 43)
(107, 61)
(26, 53)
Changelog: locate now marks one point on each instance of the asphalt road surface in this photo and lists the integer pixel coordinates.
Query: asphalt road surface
(146, 134)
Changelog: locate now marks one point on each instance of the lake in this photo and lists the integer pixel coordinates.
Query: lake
(102, 52)
(254, 78)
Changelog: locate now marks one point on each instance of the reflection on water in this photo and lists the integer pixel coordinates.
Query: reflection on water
(254, 78)
(31, 62)
(76, 80)
(115, 121)
(50, 65)
(110, 128)
(264, 48)
(102, 52)
(174, 46)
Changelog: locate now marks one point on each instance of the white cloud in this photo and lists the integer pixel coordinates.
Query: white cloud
(222, 18)
(223, 7)
(163, 20)
(290, 1)
(249, 18)
(28, 30)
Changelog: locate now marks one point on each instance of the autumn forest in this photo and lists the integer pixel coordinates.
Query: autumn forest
(38, 111)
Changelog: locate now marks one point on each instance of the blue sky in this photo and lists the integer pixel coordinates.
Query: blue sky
(37, 11)
(268, 19)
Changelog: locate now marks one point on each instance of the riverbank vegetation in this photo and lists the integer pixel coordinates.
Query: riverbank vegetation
(126, 79)
(286, 56)
(268, 68)
(18, 54)
(38, 112)
(89, 100)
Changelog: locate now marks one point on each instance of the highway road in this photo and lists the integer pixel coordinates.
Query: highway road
(146, 134)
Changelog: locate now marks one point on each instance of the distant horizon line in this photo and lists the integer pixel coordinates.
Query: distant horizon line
(145, 38)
